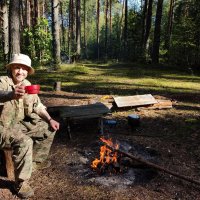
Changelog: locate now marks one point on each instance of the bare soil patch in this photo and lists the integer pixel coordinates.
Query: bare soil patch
(172, 133)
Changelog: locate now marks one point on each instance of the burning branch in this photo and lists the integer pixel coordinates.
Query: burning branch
(107, 158)
(141, 160)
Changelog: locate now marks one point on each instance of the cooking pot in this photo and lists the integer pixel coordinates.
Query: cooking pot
(134, 121)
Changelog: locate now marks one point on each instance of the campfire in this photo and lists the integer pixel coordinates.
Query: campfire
(128, 162)
(114, 165)
(109, 161)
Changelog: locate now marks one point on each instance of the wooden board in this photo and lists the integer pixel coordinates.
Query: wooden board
(136, 100)
(83, 111)
(162, 104)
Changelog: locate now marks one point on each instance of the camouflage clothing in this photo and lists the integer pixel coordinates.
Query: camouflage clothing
(21, 128)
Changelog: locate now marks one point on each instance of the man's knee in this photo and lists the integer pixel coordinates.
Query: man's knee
(28, 141)
(22, 150)
(24, 142)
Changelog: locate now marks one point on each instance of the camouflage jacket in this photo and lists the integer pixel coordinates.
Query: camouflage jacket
(14, 110)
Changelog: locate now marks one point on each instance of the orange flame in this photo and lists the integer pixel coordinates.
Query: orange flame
(106, 154)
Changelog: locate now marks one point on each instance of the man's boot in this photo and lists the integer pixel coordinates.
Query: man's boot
(41, 165)
(23, 189)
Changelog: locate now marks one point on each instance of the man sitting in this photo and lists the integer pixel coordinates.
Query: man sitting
(25, 125)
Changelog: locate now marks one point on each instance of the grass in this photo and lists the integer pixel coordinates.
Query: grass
(123, 79)
(119, 79)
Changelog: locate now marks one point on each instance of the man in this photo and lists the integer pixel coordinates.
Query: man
(25, 125)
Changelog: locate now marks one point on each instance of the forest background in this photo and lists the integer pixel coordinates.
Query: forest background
(147, 31)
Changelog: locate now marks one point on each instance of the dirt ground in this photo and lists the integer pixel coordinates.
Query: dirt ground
(172, 133)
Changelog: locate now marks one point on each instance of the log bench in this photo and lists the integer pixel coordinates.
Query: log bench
(70, 113)
(9, 163)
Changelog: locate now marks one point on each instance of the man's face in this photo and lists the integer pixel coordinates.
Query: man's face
(19, 73)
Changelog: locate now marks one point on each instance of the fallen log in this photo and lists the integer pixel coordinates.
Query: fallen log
(141, 160)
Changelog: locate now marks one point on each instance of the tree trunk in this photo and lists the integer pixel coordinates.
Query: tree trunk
(169, 25)
(62, 27)
(71, 31)
(36, 12)
(14, 29)
(122, 28)
(22, 13)
(78, 29)
(106, 28)
(157, 31)
(148, 25)
(42, 5)
(4, 8)
(97, 24)
(55, 33)
(144, 16)
(84, 29)
(32, 13)
(110, 19)
(125, 26)
(27, 24)
(28, 13)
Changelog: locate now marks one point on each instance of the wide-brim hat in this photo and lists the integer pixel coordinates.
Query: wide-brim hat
(21, 59)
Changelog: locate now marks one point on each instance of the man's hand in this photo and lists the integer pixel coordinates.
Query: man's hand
(54, 124)
(19, 91)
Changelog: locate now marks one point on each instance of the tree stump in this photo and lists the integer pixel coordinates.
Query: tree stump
(9, 164)
(57, 86)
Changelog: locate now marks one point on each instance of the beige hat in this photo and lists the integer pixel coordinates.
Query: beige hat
(21, 59)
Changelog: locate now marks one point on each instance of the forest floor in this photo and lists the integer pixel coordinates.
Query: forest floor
(171, 135)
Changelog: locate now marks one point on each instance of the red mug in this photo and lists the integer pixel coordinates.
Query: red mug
(32, 89)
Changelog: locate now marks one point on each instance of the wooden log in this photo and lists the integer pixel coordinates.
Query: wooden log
(9, 164)
(150, 164)
(57, 86)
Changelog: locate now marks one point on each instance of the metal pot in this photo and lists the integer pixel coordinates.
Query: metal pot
(134, 121)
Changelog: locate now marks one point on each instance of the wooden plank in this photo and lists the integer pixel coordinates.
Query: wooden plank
(162, 104)
(83, 116)
(82, 111)
(136, 100)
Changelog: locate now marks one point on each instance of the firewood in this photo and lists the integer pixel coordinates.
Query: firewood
(152, 165)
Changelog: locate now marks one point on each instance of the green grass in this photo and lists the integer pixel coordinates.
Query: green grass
(119, 79)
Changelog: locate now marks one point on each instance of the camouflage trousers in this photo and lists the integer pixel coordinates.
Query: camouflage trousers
(29, 142)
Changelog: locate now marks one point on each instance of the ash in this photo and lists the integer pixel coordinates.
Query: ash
(131, 173)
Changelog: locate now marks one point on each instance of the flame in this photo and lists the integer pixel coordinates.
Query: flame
(107, 156)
